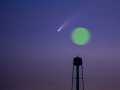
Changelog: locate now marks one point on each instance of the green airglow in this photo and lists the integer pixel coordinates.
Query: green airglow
(80, 36)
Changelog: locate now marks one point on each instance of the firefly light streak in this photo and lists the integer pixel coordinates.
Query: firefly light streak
(80, 36)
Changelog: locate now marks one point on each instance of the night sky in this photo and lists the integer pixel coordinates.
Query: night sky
(34, 56)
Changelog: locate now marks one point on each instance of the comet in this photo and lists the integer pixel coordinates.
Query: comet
(60, 29)
(64, 24)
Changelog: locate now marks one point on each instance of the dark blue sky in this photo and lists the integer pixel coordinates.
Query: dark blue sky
(34, 56)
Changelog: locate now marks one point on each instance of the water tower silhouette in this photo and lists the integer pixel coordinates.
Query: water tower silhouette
(77, 61)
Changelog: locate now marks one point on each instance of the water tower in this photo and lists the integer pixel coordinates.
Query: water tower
(77, 62)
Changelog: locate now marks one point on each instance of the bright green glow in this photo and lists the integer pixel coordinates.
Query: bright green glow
(80, 36)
